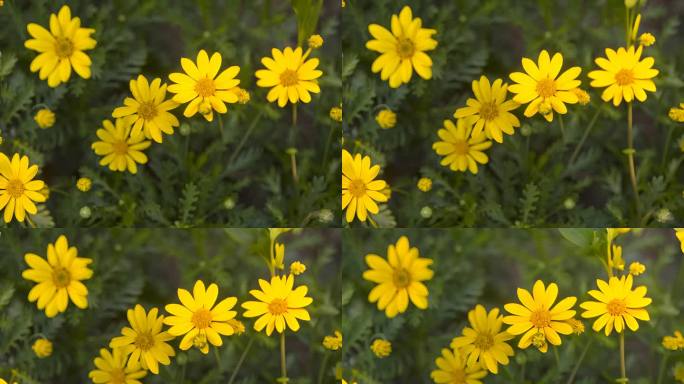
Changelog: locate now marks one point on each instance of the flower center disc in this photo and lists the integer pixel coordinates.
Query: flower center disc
(147, 110)
(484, 341)
(616, 307)
(201, 318)
(357, 188)
(402, 278)
(144, 341)
(405, 48)
(60, 277)
(278, 306)
(546, 88)
(461, 148)
(15, 188)
(120, 147)
(64, 48)
(205, 87)
(624, 77)
(489, 111)
(289, 78)
(540, 318)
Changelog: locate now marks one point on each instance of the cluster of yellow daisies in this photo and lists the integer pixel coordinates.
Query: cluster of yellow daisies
(540, 317)
(199, 318)
(544, 86)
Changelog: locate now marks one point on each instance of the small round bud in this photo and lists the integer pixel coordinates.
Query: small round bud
(569, 203)
(426, 212)
(85, 212)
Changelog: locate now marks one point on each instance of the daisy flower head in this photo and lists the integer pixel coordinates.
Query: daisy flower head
(544, 87)
(42, 348)
(111, 368)
(402, 49)
(539, 318)
(58, 278)
(149, 109)
(278, 305)
(45, 118)
(460, 147)
(360, 189)
(18, 190)
(203, 87)
(618, 306)
(484, 343)
(199, 319)
(61, 48)
(399, 279)
(625, 74)
(290, 74)
(490, 109)
(677, 114)
(120, 149)
(145, 340)
(452, 368)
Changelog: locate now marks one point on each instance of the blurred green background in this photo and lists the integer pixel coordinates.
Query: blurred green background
(205, 177)
(529, 181)
(485, 267)
(146, 267)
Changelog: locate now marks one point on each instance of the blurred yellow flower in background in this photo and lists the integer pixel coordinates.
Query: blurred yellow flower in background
(386, 118)
(381, 348)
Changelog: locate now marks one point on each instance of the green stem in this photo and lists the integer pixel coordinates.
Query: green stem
(585, 135)
(623, 369)
(670, 131)
(630, 157)
(283, 362)
(555, 355)
(327, 146)
(579, 362)
(239, 363)
(293, 127)
(244, 137)
(663, 365)
(324, 365)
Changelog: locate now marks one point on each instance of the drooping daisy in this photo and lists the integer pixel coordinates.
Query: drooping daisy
(538, 319)
(149, 109)
(290, 75)
(484, 342)
(543, 88)
(202, 88)
(452, 368)
(360, 189)
(59, 278)
(112, 368)
(18, 190)
(145, 339)
(399, 278)
(461, 148)
(402, 50)
(626, 75)
(198, 319)
(121, 150)
(490, 109)
(61, 48)
(279, 306)
(618, 306)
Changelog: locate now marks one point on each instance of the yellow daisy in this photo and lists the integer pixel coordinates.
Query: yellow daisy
(120, 149)
(18, 190)
(626, 75)
(202, 88)
(538, 318)
(290, 76)
(490, 109)
(279, 306)
(483, 342)
(198, 319)
(145, 340)
(61, 48)
(618, 306)
(452, 368)
(543, 88)
(402, 50)
(59, 278)
(461, 148)
(399, 278)
(112, 368)
(360, 190)
(149, 109)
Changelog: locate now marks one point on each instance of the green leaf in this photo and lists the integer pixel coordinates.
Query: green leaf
(582, 237)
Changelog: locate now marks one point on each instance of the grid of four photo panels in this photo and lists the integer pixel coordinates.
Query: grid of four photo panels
(512, 191)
